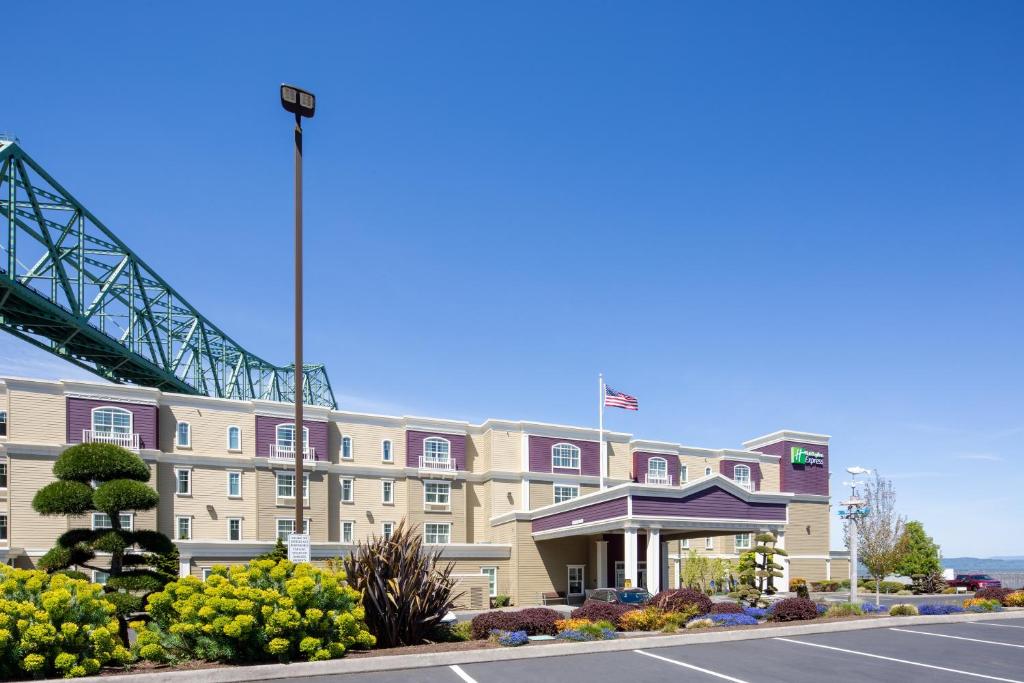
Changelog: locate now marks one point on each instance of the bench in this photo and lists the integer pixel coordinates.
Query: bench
(552, 598)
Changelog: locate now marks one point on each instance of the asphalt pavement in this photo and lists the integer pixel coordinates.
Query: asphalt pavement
(936, 653)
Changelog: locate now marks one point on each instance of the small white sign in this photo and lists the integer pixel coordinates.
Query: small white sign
(298, 547)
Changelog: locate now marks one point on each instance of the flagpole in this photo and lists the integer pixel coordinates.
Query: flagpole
(600, 426)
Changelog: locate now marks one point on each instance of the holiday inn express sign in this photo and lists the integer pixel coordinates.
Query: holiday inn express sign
(798, 455)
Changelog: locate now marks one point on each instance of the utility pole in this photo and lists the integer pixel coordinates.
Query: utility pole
(854, 511)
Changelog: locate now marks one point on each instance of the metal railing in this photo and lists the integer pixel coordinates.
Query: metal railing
(437, 464)
(657, 479)
(278, 452)
(129, 441)
(748, 485)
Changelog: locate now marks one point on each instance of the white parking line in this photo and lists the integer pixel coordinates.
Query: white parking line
(945, 635)
(691, 666)
(462, 674)
(901, 661)
(989, 623)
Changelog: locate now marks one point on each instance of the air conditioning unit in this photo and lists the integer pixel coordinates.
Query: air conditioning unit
(436, 507)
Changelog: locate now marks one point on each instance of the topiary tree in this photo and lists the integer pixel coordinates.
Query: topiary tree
(747, 591)
(767, 570)
(96, 477)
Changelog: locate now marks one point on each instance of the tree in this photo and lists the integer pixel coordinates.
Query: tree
(108, 479)
(767, 569)
(922, 552)
(880, 538)
(747, 591)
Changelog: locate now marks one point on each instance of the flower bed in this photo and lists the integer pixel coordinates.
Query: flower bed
(680, 600)
(930, 609)
(535, 621)
(792, 609)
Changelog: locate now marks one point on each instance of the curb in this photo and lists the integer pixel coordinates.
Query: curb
(269, 672)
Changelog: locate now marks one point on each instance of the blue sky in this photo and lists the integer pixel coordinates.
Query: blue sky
(752, 216)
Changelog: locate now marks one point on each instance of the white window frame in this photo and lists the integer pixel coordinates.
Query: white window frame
(570, 568)
(351, 490)
(5, 527)
(305, 486)
(206, 572)
(234, 449)
(384, 531)
(427, 483)
(111, 409)
(130, 526)
(387, 491)
(748, 484)
(238, 495)
(491, 572)
(573, 487)
(438, 525)
(387, 450)
(98, 574)
(709, 543)
(664, 464)
(345, 438)
(291, 521)
(433, 455)
(684, 476)
(177, 527)
(177, 482)
(707, 471)
(685, 544)
(564, 450)
(352, 531)
(286, 425)
(4, 424)
(188, 434)
(749, 541)
(241, 530)
(4, 474)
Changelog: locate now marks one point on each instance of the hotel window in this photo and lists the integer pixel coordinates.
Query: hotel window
(348, 532)
(3, 423)
(385, 451)
(437, 493)
(182, 482)
(101, 520)
(741, 475)
(743, 541)
(111, 422)
(492, 579)
(564, 492)
(686, 544)
(286, 485)
(657, 471)
(234, 438)
(234, 528)
(386, 529)
(348, 490)
(436, 451)
(285, 528)
(683, 476)
(207, 571)
(439, 534)
(284, 437)
(100, 577)
(565, 456)
(346, 448)
(575, 579)
(3, 474)
(184, 435)
(234, 484)
(707, 471)
(183, 525)
(709, 543)
(3, 527)
(387, 492)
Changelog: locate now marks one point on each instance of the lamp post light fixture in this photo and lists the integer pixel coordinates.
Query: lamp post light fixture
(302, 103)
(855, 510)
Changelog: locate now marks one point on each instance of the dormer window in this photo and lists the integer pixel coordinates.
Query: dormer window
(285, 437)
(565, 456)
(741, 475)
(111, 421)
(657, 471)
(436, 451)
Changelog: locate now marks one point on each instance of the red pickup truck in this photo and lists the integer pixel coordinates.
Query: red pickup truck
(973, 582)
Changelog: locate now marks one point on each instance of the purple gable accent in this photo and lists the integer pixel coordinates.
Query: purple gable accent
(726, 468)
(414, 447)
(540, 456)
(144, 419)
(266, 434)
(799, 478)
(712, 502)
(640, 459)
(588, 513)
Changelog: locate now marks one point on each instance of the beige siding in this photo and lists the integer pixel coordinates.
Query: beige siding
(37, 416)
(28, 529)
(769, 477)
(620, 460)
(367, 440)
(840, 569)
(476, 518)
(368, 510)
(506, 451)
(210, 507)
(270, 509)
(543, 566)
(478, 452)
(807, 531)
(541, 493)
(456, 516)
(812, 570)
(209, 430)
(506, 497)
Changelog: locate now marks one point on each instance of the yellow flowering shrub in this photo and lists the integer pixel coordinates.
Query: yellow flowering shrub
(1015, 599)
(55, 625)
(265, 610)
(571, 624)
(646, 619)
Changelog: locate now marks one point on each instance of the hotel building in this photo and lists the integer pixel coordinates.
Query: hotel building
(519, 507)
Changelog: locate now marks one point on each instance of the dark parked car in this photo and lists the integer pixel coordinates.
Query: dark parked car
(621, 596)
(973, 582)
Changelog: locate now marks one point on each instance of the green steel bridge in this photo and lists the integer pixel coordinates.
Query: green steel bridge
(70, 286)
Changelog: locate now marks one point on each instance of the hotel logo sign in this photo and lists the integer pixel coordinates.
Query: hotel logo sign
(798, 455)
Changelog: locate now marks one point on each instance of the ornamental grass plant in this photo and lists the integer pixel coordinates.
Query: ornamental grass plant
(263, 611)
(55, 625)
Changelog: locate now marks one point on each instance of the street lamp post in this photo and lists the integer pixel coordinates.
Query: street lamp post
(303, 104)
(855, 510)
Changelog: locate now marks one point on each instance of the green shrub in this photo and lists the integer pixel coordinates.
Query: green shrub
(904, 592)
(501, 601)
(460, 631)
(263, 611)
(902, 610)
(888, 587)
(843, 609)
(55, 625)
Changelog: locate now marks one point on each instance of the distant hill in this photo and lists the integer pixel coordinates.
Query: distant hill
(1005, 563)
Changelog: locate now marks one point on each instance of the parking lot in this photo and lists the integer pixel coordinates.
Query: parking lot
(938, 653)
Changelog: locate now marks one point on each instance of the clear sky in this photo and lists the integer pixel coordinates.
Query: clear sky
(750, 215)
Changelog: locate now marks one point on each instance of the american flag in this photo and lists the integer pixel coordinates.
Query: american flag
(617, 399)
